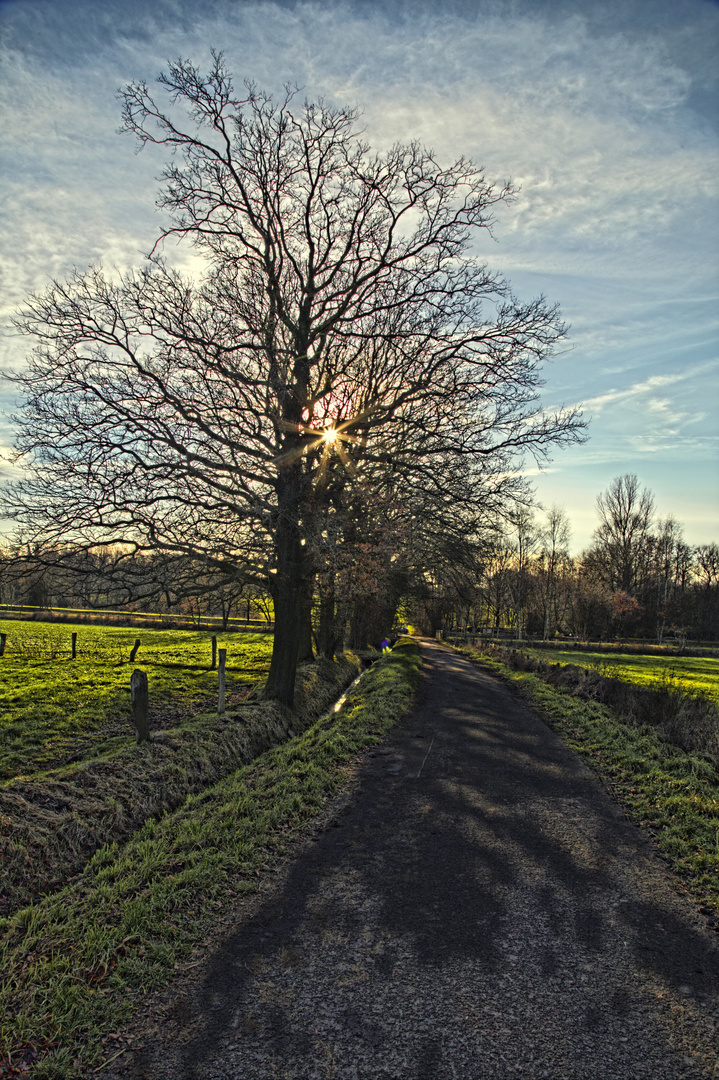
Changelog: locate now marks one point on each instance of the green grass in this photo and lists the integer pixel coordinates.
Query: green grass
(52, 708)
(52, 824)
(74, 965)
(689, 674)
(670, 792)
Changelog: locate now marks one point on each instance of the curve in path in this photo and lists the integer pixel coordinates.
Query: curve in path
(480, 910)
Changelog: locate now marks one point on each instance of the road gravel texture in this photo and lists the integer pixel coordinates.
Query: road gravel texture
(476, 908)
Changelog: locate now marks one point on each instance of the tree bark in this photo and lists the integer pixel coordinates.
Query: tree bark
(327, 635)
(359, 627)
(287, 589)
(304, 650)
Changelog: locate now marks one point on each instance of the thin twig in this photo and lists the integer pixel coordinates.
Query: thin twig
(111, 1059)
(425, 758)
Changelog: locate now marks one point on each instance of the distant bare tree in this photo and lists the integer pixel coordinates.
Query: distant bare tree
(620, 545)
(554, 541)
(525, 538)
(707, 570)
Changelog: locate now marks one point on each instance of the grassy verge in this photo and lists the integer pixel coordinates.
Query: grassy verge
(74, 965)
(52, 823)
(671, 792)
(686, 717)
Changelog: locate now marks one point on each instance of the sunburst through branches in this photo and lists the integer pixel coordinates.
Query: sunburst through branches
(332, 438)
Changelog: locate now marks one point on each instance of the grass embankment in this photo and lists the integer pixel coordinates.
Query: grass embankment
(52, 823)
(57, 710)
(689, 674)
(670, 791)
(73, 966)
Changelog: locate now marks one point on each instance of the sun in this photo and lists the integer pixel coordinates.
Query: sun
(334, 439)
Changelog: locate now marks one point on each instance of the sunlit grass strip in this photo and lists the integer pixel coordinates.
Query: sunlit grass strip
(74, 965)
(672, 793)
(52, 610)
(689, 674)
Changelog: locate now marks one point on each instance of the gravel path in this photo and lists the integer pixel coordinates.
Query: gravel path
(479, 909)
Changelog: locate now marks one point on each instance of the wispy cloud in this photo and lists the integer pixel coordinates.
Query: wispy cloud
(602, 122)
(649, 386)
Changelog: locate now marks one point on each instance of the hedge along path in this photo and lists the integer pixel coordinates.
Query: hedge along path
(684, 674)
(73, 966)
(50, 826)
(688, 719)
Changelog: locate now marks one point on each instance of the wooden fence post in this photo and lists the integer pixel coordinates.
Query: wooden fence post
(3, 639)
(214, 653)
(74, 644)
(135, 647)
(221, 683)
(140, 705)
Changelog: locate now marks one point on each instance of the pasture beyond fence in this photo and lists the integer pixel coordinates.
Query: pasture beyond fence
(634, 647)
(139, 684)
(66, 690)
(261, 622)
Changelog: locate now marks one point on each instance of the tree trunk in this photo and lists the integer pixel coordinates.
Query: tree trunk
(304, 651)
(340, 626)
(287, 588)
(547, 614)
(327, 637)
(359, 628)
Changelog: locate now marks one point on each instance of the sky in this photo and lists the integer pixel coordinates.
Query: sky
(604, 114)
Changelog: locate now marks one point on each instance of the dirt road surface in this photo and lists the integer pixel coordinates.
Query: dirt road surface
(478, 909)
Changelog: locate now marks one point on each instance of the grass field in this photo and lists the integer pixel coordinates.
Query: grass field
(690, 674)
(54, 709)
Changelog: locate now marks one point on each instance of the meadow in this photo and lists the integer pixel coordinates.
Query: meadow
(55, 710)
(688, 674)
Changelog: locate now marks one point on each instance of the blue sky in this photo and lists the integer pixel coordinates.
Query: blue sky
(605, 114)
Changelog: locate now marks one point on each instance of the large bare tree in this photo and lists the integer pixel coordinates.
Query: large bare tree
(339, 323)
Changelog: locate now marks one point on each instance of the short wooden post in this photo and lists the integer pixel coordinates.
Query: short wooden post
(135, 647)
(214, 653)
(221, 683)
(3, 639)
(248, 611)
(140, 705)
(74, 644)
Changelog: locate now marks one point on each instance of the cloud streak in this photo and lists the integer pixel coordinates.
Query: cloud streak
(605, 124)
(648, 386)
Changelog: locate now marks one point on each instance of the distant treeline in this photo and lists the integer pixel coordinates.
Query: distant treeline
(638, 579)
(512, 576)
